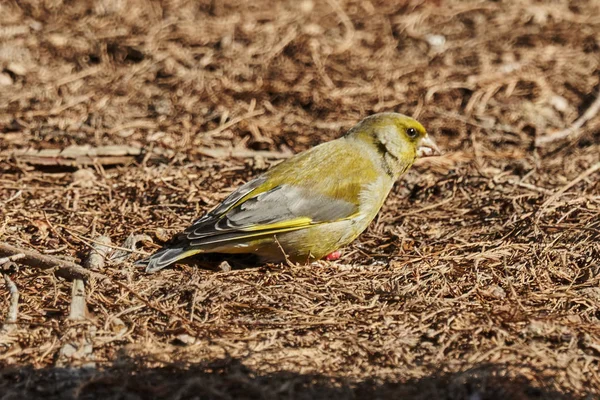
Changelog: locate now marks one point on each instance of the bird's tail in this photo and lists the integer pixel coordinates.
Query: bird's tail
(165, 257)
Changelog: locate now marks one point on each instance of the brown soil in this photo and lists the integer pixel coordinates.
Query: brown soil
(478, 280)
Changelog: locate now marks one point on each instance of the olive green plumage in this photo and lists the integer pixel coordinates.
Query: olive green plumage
(312, 203)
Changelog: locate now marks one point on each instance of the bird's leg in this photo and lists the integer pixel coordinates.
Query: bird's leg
(335, 255)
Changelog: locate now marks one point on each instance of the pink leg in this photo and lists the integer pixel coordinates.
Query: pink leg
(333, 256)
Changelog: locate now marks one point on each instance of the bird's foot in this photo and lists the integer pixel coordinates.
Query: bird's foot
(336, 255)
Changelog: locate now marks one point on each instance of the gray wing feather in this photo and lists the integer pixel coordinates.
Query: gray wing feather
(280, 204)
(233, 198)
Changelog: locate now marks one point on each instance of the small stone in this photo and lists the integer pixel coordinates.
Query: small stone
(163, 106)
(258, 163)
(84, 178)
(17, 69)
(307, 6)
(537, 328)
(36, 25)
(185, 339)
(5, 80)
(559, 103)
(436, 41)
(497, 292)
(58, 40)
(312, 29)
(68, 350)
(161, 234)
(117, 326)
(509, 67)
(225, 266)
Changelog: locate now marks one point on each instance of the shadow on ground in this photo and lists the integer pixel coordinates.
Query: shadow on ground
(230, 379)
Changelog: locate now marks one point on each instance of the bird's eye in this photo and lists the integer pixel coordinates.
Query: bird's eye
(412, 132)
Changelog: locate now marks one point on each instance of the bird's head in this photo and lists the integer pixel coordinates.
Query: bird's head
(397, 138)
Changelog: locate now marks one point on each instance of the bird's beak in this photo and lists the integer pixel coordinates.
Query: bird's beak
(428, 148)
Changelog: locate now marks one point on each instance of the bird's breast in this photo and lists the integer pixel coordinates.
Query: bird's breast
(372, 196)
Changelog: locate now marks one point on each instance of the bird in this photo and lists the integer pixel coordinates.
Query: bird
(312, 204)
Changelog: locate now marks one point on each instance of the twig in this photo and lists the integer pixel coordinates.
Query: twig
(34, 259)
(15, 257)
(81, 347)
(11, 198)
(84, 155)
(136, 124)
(288, 262)
(277, 49)
(231, 123)
(56, 110)
(590, 113)
(97, 257)
(78, 311)
(94, 261)
(220, 153)
(13, 309)
(77, 76)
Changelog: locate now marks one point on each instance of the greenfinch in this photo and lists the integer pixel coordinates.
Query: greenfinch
(311, 204)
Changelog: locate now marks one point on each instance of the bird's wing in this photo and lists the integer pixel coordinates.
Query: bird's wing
(306, 190)
(321, 185)
(255, 210)
(282, 208)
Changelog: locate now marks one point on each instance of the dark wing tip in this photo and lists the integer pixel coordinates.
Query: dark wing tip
(142, 263)
(161, 259)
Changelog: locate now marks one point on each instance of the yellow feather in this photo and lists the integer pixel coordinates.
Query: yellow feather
(292, 223)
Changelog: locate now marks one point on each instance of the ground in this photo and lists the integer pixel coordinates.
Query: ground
(477, 280)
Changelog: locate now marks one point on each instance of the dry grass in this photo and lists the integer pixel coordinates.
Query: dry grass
(478, 280)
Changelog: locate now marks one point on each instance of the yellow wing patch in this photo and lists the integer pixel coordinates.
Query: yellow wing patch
(259, 231)
(292, 223)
